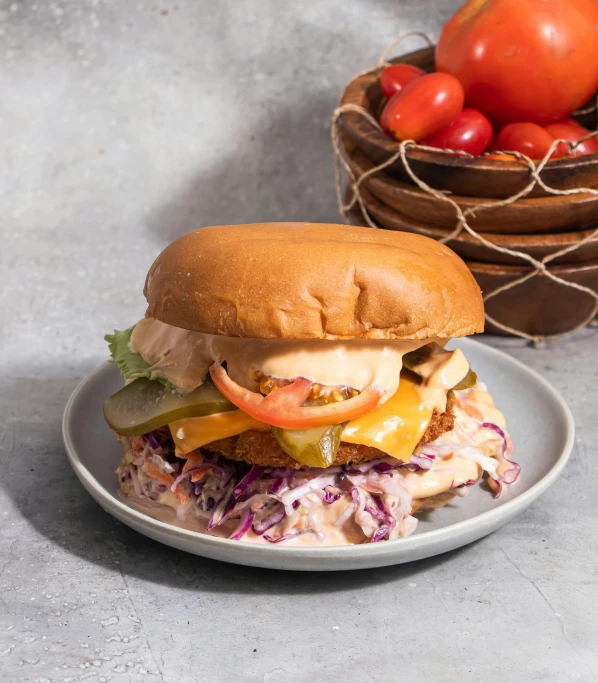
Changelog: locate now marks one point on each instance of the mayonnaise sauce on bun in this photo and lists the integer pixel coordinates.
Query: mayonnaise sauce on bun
(183, 357)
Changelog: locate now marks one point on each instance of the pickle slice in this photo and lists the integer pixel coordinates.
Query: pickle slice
(414, 358)
(145, 405)
(470, 380)
(314, 447)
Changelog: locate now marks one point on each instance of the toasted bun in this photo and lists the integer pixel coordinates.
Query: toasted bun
(313, 281)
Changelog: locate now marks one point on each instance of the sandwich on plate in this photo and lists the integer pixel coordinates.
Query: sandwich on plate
(290, 383)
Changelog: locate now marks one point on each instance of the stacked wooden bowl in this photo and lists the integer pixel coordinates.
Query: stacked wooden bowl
(538, 225)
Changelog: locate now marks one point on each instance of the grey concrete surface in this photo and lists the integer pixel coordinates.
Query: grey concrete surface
(124, 124)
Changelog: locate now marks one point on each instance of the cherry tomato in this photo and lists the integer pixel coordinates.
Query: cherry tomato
(284, 406)
(527, 138)
(396, 76)
(523, 60)
(423, 108)
(384, 121)
(470, 132)
(572, 131)
(492, 145)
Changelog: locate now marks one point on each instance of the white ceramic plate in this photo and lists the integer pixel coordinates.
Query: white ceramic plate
(537, 417)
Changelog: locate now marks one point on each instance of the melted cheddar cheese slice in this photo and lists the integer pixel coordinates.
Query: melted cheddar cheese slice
(193, 432)
(394, 427)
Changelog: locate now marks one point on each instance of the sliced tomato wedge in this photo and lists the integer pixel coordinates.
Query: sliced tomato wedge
(284, 406)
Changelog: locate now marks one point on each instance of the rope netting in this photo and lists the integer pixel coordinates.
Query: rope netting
(535, 168)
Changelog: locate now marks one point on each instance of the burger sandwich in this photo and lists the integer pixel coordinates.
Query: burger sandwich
(290, 383)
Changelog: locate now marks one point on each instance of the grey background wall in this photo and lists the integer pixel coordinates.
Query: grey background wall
(127, 123)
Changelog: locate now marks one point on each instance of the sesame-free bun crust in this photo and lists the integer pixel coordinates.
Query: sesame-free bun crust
(313, 281)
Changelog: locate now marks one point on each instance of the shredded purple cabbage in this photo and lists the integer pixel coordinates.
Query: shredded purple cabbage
(500, 432)
(421, 462)
(380, 534)
(330, 496)
(187, 474)
(268, 501)
(375, 511)
(274, 503)
(286, 537)
(279, 485)
(385, 466)
(244, 525)
(511, 475)
(268, 522)
(253, 475)
(224, 504)
(151, 440)
(380, 465)
(470, 482)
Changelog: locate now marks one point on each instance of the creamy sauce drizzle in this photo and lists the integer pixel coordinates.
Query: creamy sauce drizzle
(184, 357)
(440, 372)
(446, 473)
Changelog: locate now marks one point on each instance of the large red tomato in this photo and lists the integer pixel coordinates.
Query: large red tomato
(523, 60)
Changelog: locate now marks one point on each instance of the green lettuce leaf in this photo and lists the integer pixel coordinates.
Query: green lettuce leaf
(131, 365)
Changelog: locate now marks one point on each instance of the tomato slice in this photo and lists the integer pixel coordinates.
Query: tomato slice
(284, 406)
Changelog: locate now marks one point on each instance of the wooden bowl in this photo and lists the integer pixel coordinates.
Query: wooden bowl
(463, 176)
(528, 215)
(468, 247)
(539, 306)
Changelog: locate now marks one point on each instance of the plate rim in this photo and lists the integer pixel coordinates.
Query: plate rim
(378, 551)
